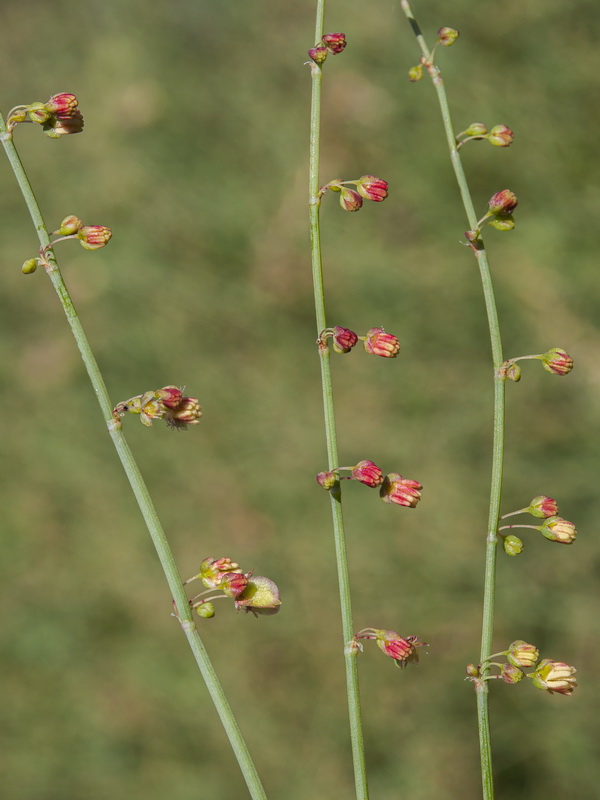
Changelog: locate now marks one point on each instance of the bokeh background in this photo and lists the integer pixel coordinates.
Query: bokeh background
(195, 153)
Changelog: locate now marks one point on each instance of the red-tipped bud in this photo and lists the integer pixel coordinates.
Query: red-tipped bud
(511, 674)
(542, 506)
(212, 571)
(403, 651)
(343, 339)
(399, 490)
(232, 584)
(554, 676)
(415, 73)
(171, 396)
(372, 188)
(93, 237)
(349, 199)
(380, 343)
(476, 129)
(30, 266)
(334, 42)
(560, 530)
(63, 126)
(522, 654)
(447, 36)
(503, 202)
(513, 546)
(327, 480)
(69, 226)
(318, 54)
(557, 361)
(368, 473)
(261, 596)
(63, 105)
(188, 412)
(501, 136)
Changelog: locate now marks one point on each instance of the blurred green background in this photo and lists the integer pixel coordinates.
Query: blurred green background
(195, 153)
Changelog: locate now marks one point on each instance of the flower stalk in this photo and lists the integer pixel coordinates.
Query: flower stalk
(183, 612)
(316, 68)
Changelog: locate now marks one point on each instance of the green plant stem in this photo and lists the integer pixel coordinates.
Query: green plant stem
(498, 425)
(358, 753)
(165, 555)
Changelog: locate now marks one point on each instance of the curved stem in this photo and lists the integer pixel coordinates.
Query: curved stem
(358, 755)
(498, 424)
(136, 481)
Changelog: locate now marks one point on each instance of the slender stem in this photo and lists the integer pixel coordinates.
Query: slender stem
(498, 425)
(358, 753)
(136, 481)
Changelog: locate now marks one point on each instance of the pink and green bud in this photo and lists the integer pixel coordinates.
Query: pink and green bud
(212, 571)
(560, 530)
(93, 237)
(232, 584)
(554, 676)
(327, 480)
(188, 412)
(170, 396)
(343, 339)
(415, 73)
(472, 236)
(472, 671)
(334, 42)
(379, 343)
(521, 654)
(69, 226)
(402, 650)
(476, 129)
(513, 372)
(501, 136)
(503, 222)
(399, 490)
(349, 199)
(30, 266)
(318, 54)
(510, 673)
(512, 545)
(557, 361)
(56, 127)
(205, 610)
(542, 506)
(372, 188)
(503, 202)
(261, 596)
(38, 112)
(63, 105)
(368, 473)
(447, 36)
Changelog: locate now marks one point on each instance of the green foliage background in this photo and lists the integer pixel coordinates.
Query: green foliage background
(195, 153)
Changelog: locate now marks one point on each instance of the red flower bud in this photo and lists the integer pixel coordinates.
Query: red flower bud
(542, 506)
(380, 343)
(232, 584)
(501, 136)
(557, 361)
(372, 188)
(399, 490)
(503, 202)
(343, 339)
(368, 473)
(171, 396)
(327, 480)
(334, 42)
(349, 199)
(318, 54)
(93, 237)
(63, 105)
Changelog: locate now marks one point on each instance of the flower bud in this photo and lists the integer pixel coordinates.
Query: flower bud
(402, 650)
(512, 545)
(368, 473)
(352, 647)
(63, 126)
(501, 136)
(380, 343)
(212, 571)
(261, 596)
(188, 412)
(327, 480)
(472, 236)
(334, 42)
(521, 654)
(513, 372)
(349, 199)
(503, 202)
(415, 73)
(372, 188)
(472, 671)
(63, 105)
(399, 490)
(343, 339)
(560, 530)
(476, 129)
(37, 112)
(232, 584)
(503, 222)
(447, 36)
(554, 676)
(93, 237)
(510, 673)
(318, 54)
(542, 506)
(30, 266)
(69, 226)
(557, 361)
(171, 396)
(205, 610)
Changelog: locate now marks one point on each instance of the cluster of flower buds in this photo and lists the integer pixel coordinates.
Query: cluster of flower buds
(368, 187)
(499, 214)
(258, 595)
(167, 404)
(393, 488)
(553, 528)
(499, 135)
(551, 676)
(59, 116)
(332, 43)
(445, 37)
(403, 649)
(556, 361)
(91, 237)
(376, 341)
